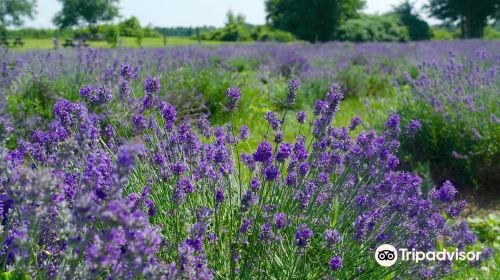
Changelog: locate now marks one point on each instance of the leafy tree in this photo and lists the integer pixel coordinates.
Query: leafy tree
(418, 29)
(235, 29)
(130, 27)
(12, 12)
(91, 12)
(374, 28)
(472, 16)
(311, 20)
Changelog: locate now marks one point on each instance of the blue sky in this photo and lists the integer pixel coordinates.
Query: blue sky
(189, 12)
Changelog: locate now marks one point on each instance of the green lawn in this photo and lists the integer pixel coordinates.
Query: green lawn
(155, 42)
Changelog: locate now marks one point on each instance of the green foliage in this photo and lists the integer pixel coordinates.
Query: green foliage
(129, 27)
(492, 33)
(316, 20)
(183, 31)
(440, 33)
(472, 16)
(264, 33)
(39, 33)
(418, 29)
(236, 29)
(12, 12)
(132, 28)
(487, 229)
(139, 35)
(91, 12)
(373, 28)
(112, 35)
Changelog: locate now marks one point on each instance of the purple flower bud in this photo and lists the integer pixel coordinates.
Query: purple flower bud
(284, 151)
(255, 184)
(127, 72)
(279, 220)
(219, 196)
(301, 117)
(244, 133)
(273, 120)
(393, 121)
(152, 85)
(413, 127)
(233, 95)
(447, 192)
(264, 152)
(292, 91)
(335, 263)
(303, 235)
(279, 136)
(354, 123)
(271, 172)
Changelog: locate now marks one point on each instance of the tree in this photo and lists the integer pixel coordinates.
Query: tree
(311, 20)
(130, 27)
(91, 12)
(374, 28)
(12, 12)
(418, 29)
(472, 16)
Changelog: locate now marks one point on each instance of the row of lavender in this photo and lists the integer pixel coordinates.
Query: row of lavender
(121, 185)
(194, 77)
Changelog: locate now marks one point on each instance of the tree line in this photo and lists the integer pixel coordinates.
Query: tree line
(310, 20)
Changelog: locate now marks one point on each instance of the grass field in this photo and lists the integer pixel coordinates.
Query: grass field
(154, 42)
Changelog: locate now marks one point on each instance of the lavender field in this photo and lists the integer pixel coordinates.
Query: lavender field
(252, 161)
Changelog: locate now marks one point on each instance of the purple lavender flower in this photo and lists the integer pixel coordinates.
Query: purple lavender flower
(96, 95)
(279, 220)
(279, 136)
(446, 193)
(271, 172)
(301, 117)
(266, 233)
(264, 152)
(244, 133)
(255, 184)
(152, 85)
(233, 96)
(128, 72)
(219, 196)
(292, 91)
(273, 120)
(248, 200)
(303, 235)
(284, 151)
(168, 112)
(320, 106)
(354, 123)
(331, 237)
(413, 127)
(335, 263)
(393, 121)
(203, 126)
(124, 89)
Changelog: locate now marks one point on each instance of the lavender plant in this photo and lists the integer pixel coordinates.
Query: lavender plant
(143, 193)
(458, 103)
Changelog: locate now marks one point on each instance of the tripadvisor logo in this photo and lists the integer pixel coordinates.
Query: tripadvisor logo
(387, 255)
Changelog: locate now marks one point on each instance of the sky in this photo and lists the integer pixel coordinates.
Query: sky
(168, 13)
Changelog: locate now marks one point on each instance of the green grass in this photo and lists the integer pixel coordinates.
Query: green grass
(129, 42)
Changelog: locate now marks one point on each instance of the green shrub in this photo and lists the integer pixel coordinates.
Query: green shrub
(492, 33)
(112, 35)
(374, 28)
